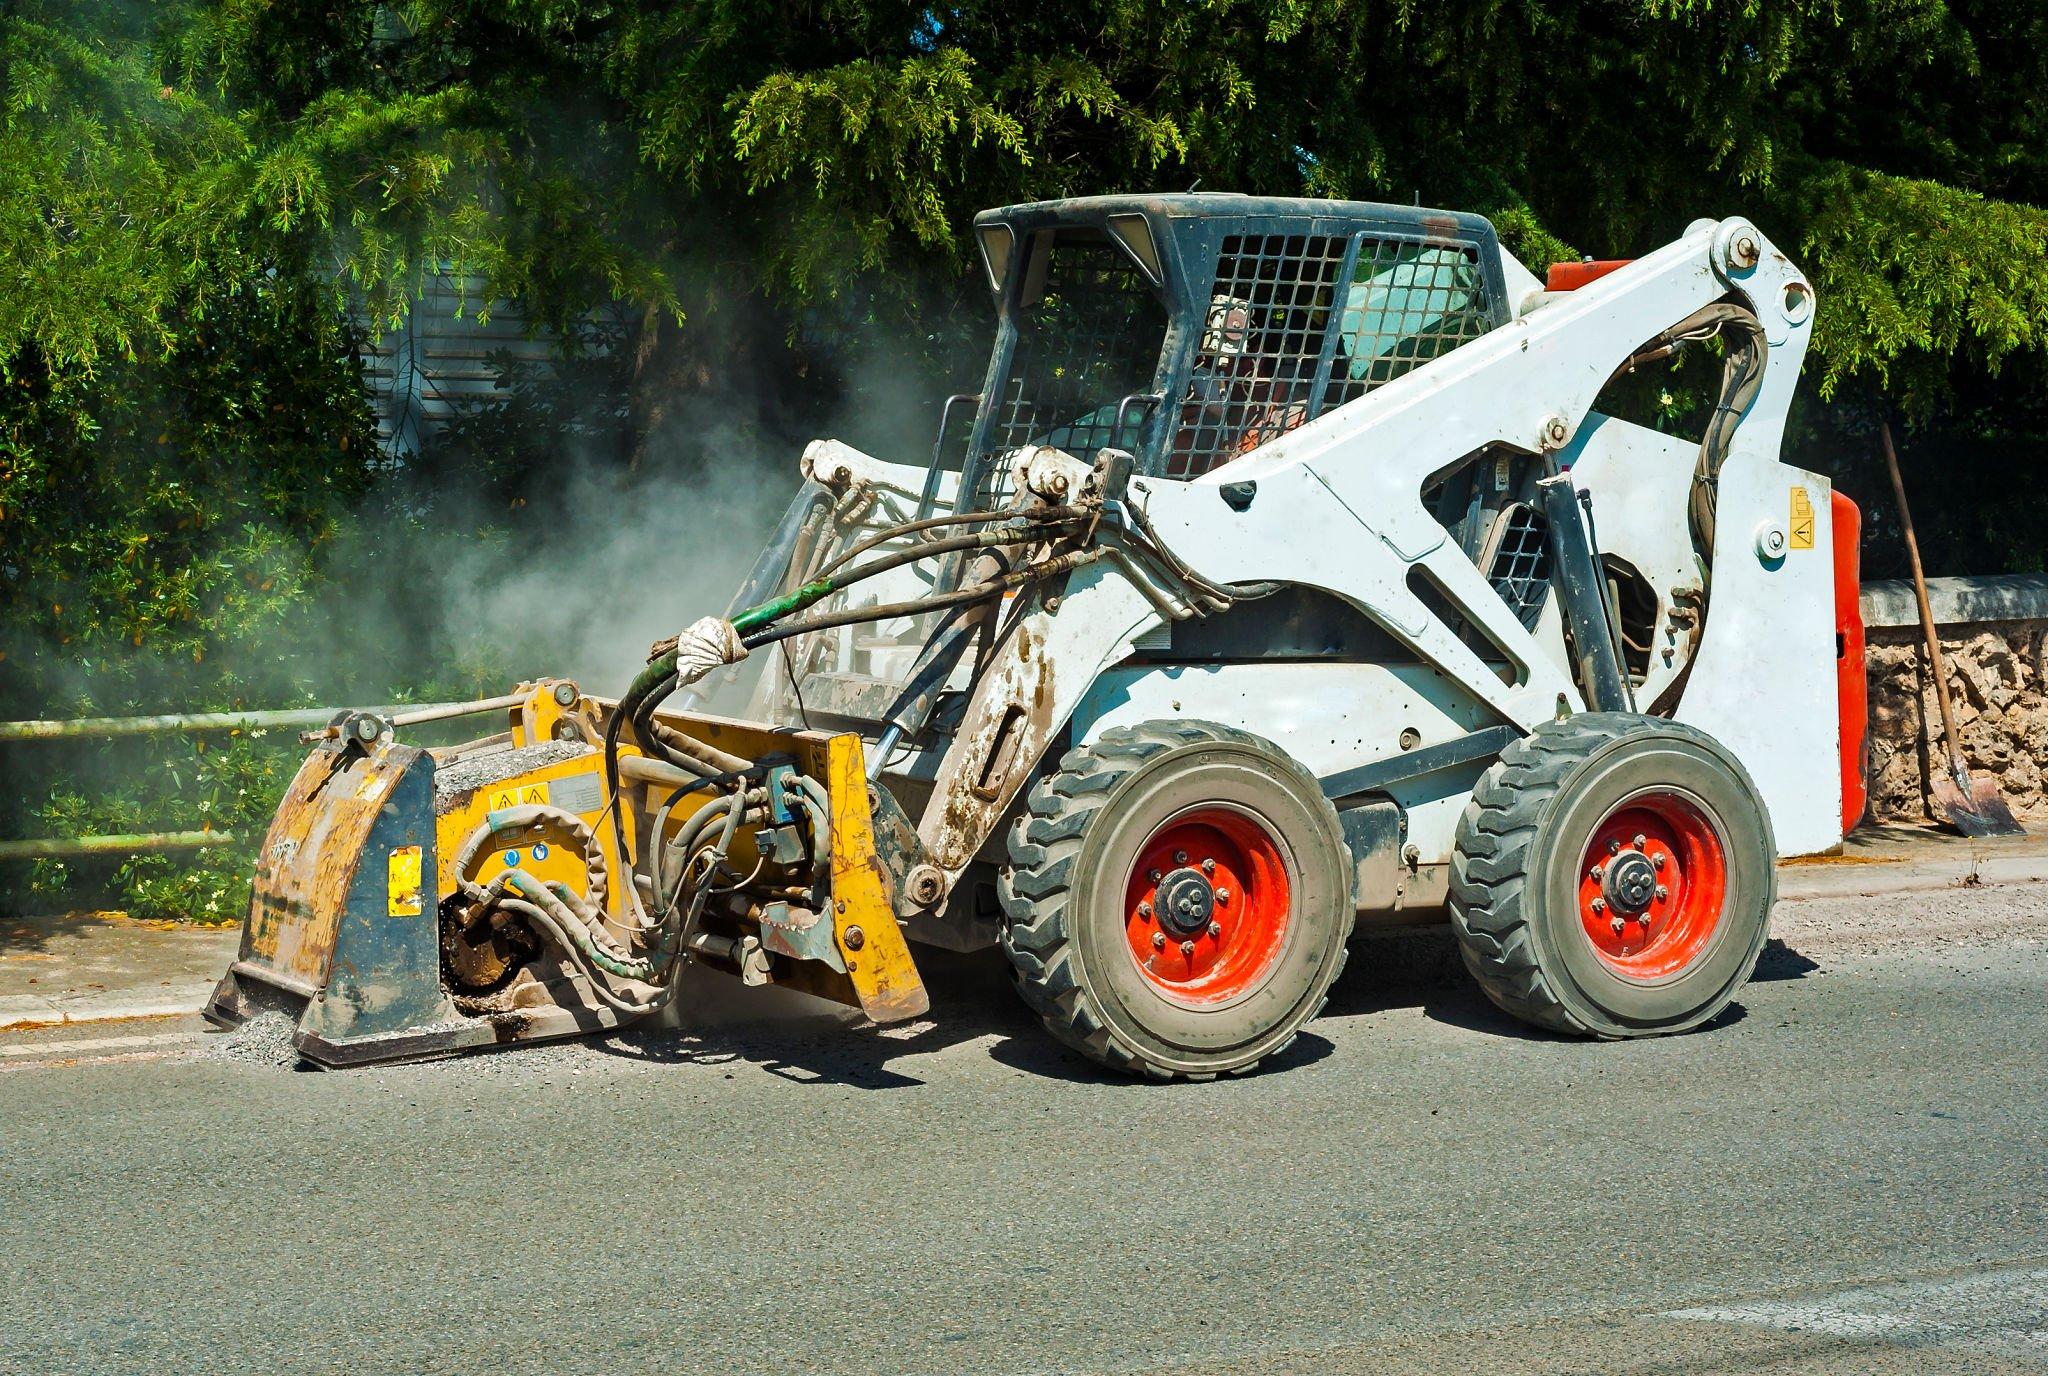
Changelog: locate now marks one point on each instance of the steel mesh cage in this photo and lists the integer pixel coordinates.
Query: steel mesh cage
(1406, 304)
(1260, 365)
(1520, 567)
(1256, 366)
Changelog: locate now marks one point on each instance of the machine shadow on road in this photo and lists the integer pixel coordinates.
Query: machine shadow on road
(1420, 967)
(971, 1001)
(804, 1042)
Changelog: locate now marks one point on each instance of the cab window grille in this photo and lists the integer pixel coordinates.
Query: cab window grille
(1261, 347)
(1520, 567)
(1406, 303)
(1086, 339)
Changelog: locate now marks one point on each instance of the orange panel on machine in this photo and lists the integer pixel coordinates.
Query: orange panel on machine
(1572, 276)
(1852, 687)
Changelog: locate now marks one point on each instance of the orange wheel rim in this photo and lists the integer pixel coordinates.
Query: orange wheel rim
(1207, 905)
(1653, 885)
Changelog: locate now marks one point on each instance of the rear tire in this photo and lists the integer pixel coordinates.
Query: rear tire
(1613, 877)
(1219, 960)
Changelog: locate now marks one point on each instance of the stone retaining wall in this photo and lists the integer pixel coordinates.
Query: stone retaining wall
(1992, 635)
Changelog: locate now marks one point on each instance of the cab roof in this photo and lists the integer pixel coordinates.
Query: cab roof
(1170, 206)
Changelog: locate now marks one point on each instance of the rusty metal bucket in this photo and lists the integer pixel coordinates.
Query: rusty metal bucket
(343, 929)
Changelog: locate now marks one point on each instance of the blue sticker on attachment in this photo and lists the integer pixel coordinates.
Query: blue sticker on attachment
(540, 852)
(512, 858)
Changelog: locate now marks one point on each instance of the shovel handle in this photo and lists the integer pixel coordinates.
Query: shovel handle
(1939, 670)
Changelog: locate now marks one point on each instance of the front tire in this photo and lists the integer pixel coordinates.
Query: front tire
(1613, 877)
(1177, 899)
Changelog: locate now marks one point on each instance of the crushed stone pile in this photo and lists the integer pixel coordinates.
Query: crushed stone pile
(473, 771)
(265, 1039)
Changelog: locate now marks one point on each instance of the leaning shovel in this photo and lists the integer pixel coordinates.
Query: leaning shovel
(1975, 808)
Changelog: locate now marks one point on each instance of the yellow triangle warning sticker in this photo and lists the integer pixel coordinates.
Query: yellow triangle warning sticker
(1802, 519)
(518, 796)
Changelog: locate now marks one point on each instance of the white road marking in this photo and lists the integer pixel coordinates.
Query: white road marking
(64, 1048)
(1807, 1318)
(1994, 1312)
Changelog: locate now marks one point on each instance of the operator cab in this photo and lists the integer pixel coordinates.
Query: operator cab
(1193, 328)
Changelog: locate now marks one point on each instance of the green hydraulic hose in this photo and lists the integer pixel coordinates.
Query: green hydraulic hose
(795, 600)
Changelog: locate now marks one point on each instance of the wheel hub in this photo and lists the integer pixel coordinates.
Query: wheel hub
(1630, 882)
(1186, 902)
(1652, 885)
(1207, 904)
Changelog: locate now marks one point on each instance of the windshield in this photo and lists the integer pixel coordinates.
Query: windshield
(1089, 332)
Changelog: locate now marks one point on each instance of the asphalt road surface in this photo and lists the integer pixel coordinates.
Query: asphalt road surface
(1845, 1174)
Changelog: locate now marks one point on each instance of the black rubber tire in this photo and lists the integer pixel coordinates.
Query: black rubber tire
(1086, 824)
(1515, 874)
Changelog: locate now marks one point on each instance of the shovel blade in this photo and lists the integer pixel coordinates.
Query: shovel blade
(1975, 807)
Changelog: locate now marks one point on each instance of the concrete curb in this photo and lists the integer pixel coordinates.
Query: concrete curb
(24, 1012)
(1872, 878)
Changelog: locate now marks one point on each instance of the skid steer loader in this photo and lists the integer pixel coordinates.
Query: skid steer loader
(1266, 598)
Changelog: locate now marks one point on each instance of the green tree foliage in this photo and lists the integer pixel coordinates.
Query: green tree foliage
(183, 435)
(772, 198)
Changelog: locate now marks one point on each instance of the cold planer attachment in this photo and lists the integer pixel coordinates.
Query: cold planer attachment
(412, 903)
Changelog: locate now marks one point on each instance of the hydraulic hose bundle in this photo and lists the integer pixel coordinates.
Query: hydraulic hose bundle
(685, 872)
(1742, 376)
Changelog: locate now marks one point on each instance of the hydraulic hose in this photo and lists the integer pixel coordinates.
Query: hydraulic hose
(1228, 592)
(661, 669)
(552, 914)
(1031, 573)
(769, 622)
(571, 929)
(526, 815)
(1049, 516)
(545, 924)
(1742, 376)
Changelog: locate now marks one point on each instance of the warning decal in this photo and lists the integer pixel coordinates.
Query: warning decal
(518, 797)
(1802, 519)
(402, 882)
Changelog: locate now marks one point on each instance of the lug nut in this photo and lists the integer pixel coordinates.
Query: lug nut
(1144, 910)
(1662, 893)
(1640, 840)
(1180, 857)
(1215, 929)
(1599, 905)
(1595, 873)
(1158, 940)
(1187, 948)
(1614, 847)
(1209, 865)
(1223, 895)
(1656, 862)
(1154, 876)
(1618, 925)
